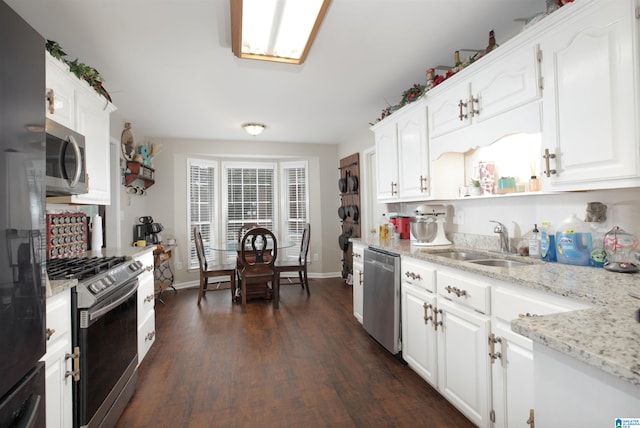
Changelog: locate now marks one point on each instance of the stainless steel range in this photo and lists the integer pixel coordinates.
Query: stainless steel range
(105, 336)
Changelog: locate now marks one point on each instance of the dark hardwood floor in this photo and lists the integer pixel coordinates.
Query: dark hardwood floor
(308, 364)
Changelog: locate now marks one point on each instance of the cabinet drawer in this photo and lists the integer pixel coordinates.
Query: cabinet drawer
(511, 303)
(58, 316)
(467, 291)
(358, 253)
(418, 273)
(146, 336)
(146, 296)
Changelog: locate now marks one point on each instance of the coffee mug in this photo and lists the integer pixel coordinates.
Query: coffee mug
(140, 243)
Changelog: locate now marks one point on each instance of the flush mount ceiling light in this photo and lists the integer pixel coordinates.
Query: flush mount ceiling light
(275, 30)
(253, 128)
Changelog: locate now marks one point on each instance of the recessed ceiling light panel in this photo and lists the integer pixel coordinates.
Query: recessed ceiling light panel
(275, 30)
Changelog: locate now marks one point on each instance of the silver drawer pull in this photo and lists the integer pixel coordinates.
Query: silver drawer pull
(413, 275)
(527, 315)
(455, 290)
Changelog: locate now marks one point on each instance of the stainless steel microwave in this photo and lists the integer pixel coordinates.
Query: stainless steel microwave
(65, 162)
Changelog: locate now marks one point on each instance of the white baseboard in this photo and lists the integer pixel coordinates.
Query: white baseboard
(213, 281)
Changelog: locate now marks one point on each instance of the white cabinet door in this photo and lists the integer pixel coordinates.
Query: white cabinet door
(507, 82)
(590, 97)
(358, 280)
(464, 371)
(93, 123)
(58, 384)
(418, 332)
(512, 378)
(387, 160)
(413, 159)
(512, 369)
(448, 109)
(60, 99)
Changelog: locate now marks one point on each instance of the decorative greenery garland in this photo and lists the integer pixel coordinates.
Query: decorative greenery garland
(81, 70)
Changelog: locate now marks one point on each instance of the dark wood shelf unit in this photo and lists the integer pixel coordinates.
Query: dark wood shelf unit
(138, 171)
(350, 167)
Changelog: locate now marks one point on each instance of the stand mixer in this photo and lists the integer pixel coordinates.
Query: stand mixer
(428, 226)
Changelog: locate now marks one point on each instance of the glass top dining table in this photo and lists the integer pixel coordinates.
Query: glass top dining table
(234, 246)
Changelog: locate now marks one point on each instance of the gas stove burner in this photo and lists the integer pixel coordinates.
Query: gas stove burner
(99, 278)
(81, 268)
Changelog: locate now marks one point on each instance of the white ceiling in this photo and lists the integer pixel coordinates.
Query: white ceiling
(169, 68)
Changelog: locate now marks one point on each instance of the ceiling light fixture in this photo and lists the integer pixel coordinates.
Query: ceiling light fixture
(254, 128)
(275, 30)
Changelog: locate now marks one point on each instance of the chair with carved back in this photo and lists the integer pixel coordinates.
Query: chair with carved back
(299, 265)
(206, 271)
(258, 274)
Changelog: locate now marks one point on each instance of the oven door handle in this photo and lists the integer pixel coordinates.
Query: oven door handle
(30, 416)
(101, 311)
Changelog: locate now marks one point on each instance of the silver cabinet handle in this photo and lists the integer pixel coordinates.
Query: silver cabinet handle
(548, 171)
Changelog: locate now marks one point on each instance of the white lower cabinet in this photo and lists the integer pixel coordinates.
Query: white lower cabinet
(444, 341)
(146, 306)
(512, 377)
(464, 369)
(58, 364)
(418, 305)
(456, 334)
(513, 362)
(358, 280)
(418, 332)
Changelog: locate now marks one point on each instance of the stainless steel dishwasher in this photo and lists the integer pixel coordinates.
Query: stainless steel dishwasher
(381, 298)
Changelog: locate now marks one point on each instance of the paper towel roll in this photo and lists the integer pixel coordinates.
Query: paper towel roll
(96, 232)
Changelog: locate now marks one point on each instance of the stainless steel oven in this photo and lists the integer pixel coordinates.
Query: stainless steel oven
(107, 337)
(65, 162)
(104, 312)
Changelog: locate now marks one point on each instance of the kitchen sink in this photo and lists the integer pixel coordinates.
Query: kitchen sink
(498, 263)
(461, 255)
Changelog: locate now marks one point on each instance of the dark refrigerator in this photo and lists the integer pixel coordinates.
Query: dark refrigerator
(22, 226)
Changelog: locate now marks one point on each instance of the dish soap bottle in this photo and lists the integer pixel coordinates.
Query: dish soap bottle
(574, 242)
(547, 242)
(534, 243)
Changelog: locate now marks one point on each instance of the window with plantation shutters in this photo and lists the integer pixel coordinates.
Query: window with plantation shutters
(202, 206)
(224, 196)
(295, 203)
(250, 196)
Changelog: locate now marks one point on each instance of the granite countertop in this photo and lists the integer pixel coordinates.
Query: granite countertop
(57, 286)
(606, 336)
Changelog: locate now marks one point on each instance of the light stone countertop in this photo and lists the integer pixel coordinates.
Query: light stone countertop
(606, 336)
(57, 286)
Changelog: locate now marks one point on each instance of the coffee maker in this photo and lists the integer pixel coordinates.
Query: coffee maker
(148, 231)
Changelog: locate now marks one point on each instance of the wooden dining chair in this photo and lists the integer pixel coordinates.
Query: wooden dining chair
(206, 271)
(258, 275)
(300, 265)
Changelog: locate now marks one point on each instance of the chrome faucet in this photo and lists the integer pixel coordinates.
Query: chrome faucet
(501, 230)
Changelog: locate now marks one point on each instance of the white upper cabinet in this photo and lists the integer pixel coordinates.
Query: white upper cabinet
(448, 110)
(387, 160)
(74, 104)
(590, 97)
(405, 170)
(413, 158)
(486, 101)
